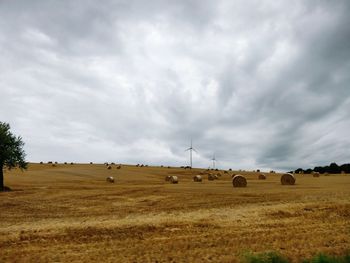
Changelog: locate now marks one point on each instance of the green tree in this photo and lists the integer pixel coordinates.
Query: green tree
(11, 152)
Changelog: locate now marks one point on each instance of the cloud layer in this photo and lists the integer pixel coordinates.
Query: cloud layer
(262, 84)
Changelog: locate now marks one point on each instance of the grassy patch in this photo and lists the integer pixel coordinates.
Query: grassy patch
(273, 257)
(322, 258)
(267, 257)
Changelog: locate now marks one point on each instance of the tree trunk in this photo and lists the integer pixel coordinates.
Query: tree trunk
(1, 178)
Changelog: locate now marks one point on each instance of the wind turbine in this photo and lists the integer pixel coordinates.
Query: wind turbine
(191, 149)
(213, 159)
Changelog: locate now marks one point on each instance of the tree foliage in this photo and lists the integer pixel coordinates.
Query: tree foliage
(11, 151)
(333, 168)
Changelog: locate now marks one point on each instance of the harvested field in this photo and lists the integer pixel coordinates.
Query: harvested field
(70, 213)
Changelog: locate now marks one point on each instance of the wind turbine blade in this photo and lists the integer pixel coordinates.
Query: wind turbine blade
(188, 149)
(194, 150)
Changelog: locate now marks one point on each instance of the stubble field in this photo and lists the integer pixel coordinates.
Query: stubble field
(70, 213)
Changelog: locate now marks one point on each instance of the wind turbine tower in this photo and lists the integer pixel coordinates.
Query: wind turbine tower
(214, 160)
(191, 149)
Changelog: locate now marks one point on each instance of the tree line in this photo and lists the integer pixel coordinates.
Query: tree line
(333, 168)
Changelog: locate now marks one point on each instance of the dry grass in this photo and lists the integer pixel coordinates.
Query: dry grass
(69, 213)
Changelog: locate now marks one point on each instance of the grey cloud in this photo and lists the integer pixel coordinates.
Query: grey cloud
(262, 84)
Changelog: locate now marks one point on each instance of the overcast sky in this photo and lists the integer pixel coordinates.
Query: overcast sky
(262, 84)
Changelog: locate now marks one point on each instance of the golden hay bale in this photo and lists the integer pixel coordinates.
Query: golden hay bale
(218, 174)
(167, 178)
(110, 179)
(109, 167)
(119, 166)
(197, 178)
(287, 179)
(316, 174)
(174, 179)
(211, 177)
(239, 181)
(262, 177)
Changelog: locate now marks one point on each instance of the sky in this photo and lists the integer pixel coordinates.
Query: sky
(260, 84)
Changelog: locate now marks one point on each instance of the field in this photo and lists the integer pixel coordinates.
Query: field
(69, 213)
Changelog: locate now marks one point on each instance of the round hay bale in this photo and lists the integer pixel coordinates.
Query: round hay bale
(197, 178)
(287, 179)
(167, 178)
(316, 174)
(109, 167)
(211, 177)
(262, 177)
(91, 163)
(174, 179)
(110, 179)
(218, 174)
(239, 181)
(119, 166)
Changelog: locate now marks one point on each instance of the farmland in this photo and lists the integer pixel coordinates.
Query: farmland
(70, 213)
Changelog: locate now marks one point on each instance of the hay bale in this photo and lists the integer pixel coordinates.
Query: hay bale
(109, 167)
(316, 174)
(167, 178)
(239, 181)
(110, 179)
(287, 179)
(262, 177)
(174, 179)
(71, 163)
(225, 172)
(258, 170)
(197, 178)
(211, 177)
(218, 174)
(119, 166)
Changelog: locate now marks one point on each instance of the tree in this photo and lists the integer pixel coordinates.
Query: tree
(11, 152)
(334, 168)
